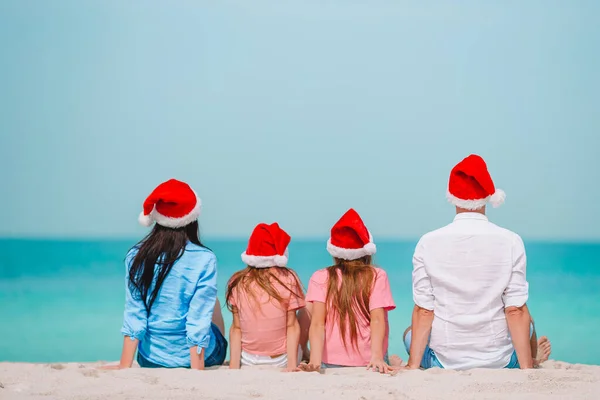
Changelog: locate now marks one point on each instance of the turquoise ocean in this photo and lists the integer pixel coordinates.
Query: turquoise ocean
(62, 301)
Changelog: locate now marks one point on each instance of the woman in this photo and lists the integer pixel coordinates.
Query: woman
(172, 316)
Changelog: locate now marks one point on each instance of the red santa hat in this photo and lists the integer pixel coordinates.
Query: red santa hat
(471, 186)
(350, 239)
(267, 247)
(172, 204)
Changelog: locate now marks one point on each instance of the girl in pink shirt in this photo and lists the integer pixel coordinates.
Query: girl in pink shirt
(350, 301)
(263, 299)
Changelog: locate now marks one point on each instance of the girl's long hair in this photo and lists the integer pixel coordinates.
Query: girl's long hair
(251, 279)
(156, 255)
(348, 292)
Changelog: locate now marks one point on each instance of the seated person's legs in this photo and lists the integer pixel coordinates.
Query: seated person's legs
(540, 349)
(429, 359)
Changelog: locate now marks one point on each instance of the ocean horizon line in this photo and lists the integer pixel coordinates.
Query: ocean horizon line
(237, 239)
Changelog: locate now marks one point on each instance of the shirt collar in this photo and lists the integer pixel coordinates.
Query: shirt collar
(470, 216)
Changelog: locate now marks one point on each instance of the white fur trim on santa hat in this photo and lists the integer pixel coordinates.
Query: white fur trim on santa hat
(352, 254)
(497, 199)
(265, 261)
(467, 204)
(155, 216)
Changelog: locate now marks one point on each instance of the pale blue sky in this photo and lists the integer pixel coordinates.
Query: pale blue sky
(296, 110)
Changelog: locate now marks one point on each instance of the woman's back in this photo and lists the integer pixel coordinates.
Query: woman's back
(171, 287)
(180, 315)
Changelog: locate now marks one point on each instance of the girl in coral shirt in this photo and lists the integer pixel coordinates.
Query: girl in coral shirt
(264, 298)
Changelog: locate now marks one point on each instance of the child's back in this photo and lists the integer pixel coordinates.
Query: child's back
(263, 318)
(350, 302)
(263, 299)
(338, 350)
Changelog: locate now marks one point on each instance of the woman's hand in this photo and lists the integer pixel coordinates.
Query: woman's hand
(378, 365)
(309, 367)
(113, 367)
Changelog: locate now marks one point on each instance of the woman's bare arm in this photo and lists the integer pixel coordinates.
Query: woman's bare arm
(196, 359)
(127, 354)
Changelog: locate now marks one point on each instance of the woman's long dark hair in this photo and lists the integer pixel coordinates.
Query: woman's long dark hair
(161, 249)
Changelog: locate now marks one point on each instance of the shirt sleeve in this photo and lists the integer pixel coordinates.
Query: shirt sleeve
(199, 317)
(517, 290)
(297, 296)
(381, 296)
(317, 288)
(422, 289)
(135, 317)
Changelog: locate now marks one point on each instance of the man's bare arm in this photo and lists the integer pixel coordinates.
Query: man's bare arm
(422, 319)
(519, 320)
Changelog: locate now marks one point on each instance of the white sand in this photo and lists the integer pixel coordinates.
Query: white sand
(556, 380)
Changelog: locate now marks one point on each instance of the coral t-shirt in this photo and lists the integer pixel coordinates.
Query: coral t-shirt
(263, 320)
(334, 351)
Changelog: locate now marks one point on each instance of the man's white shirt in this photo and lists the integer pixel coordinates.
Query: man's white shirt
(468, 272)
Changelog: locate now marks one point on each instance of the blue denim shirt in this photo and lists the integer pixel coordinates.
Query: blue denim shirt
(182, 313)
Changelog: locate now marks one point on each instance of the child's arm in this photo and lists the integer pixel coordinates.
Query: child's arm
(380, 302)
(293, 338)
(377, 338)
(235, 341)
(304, 321)
(317, 335)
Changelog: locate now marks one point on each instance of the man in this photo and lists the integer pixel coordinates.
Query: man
(470, 288)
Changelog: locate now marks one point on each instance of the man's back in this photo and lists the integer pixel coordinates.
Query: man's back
(467, 273)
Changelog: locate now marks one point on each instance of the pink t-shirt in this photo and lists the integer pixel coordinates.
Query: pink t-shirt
(264, 321)
(334, 351)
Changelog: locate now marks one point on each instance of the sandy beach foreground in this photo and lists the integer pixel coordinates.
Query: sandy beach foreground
(556, 380)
